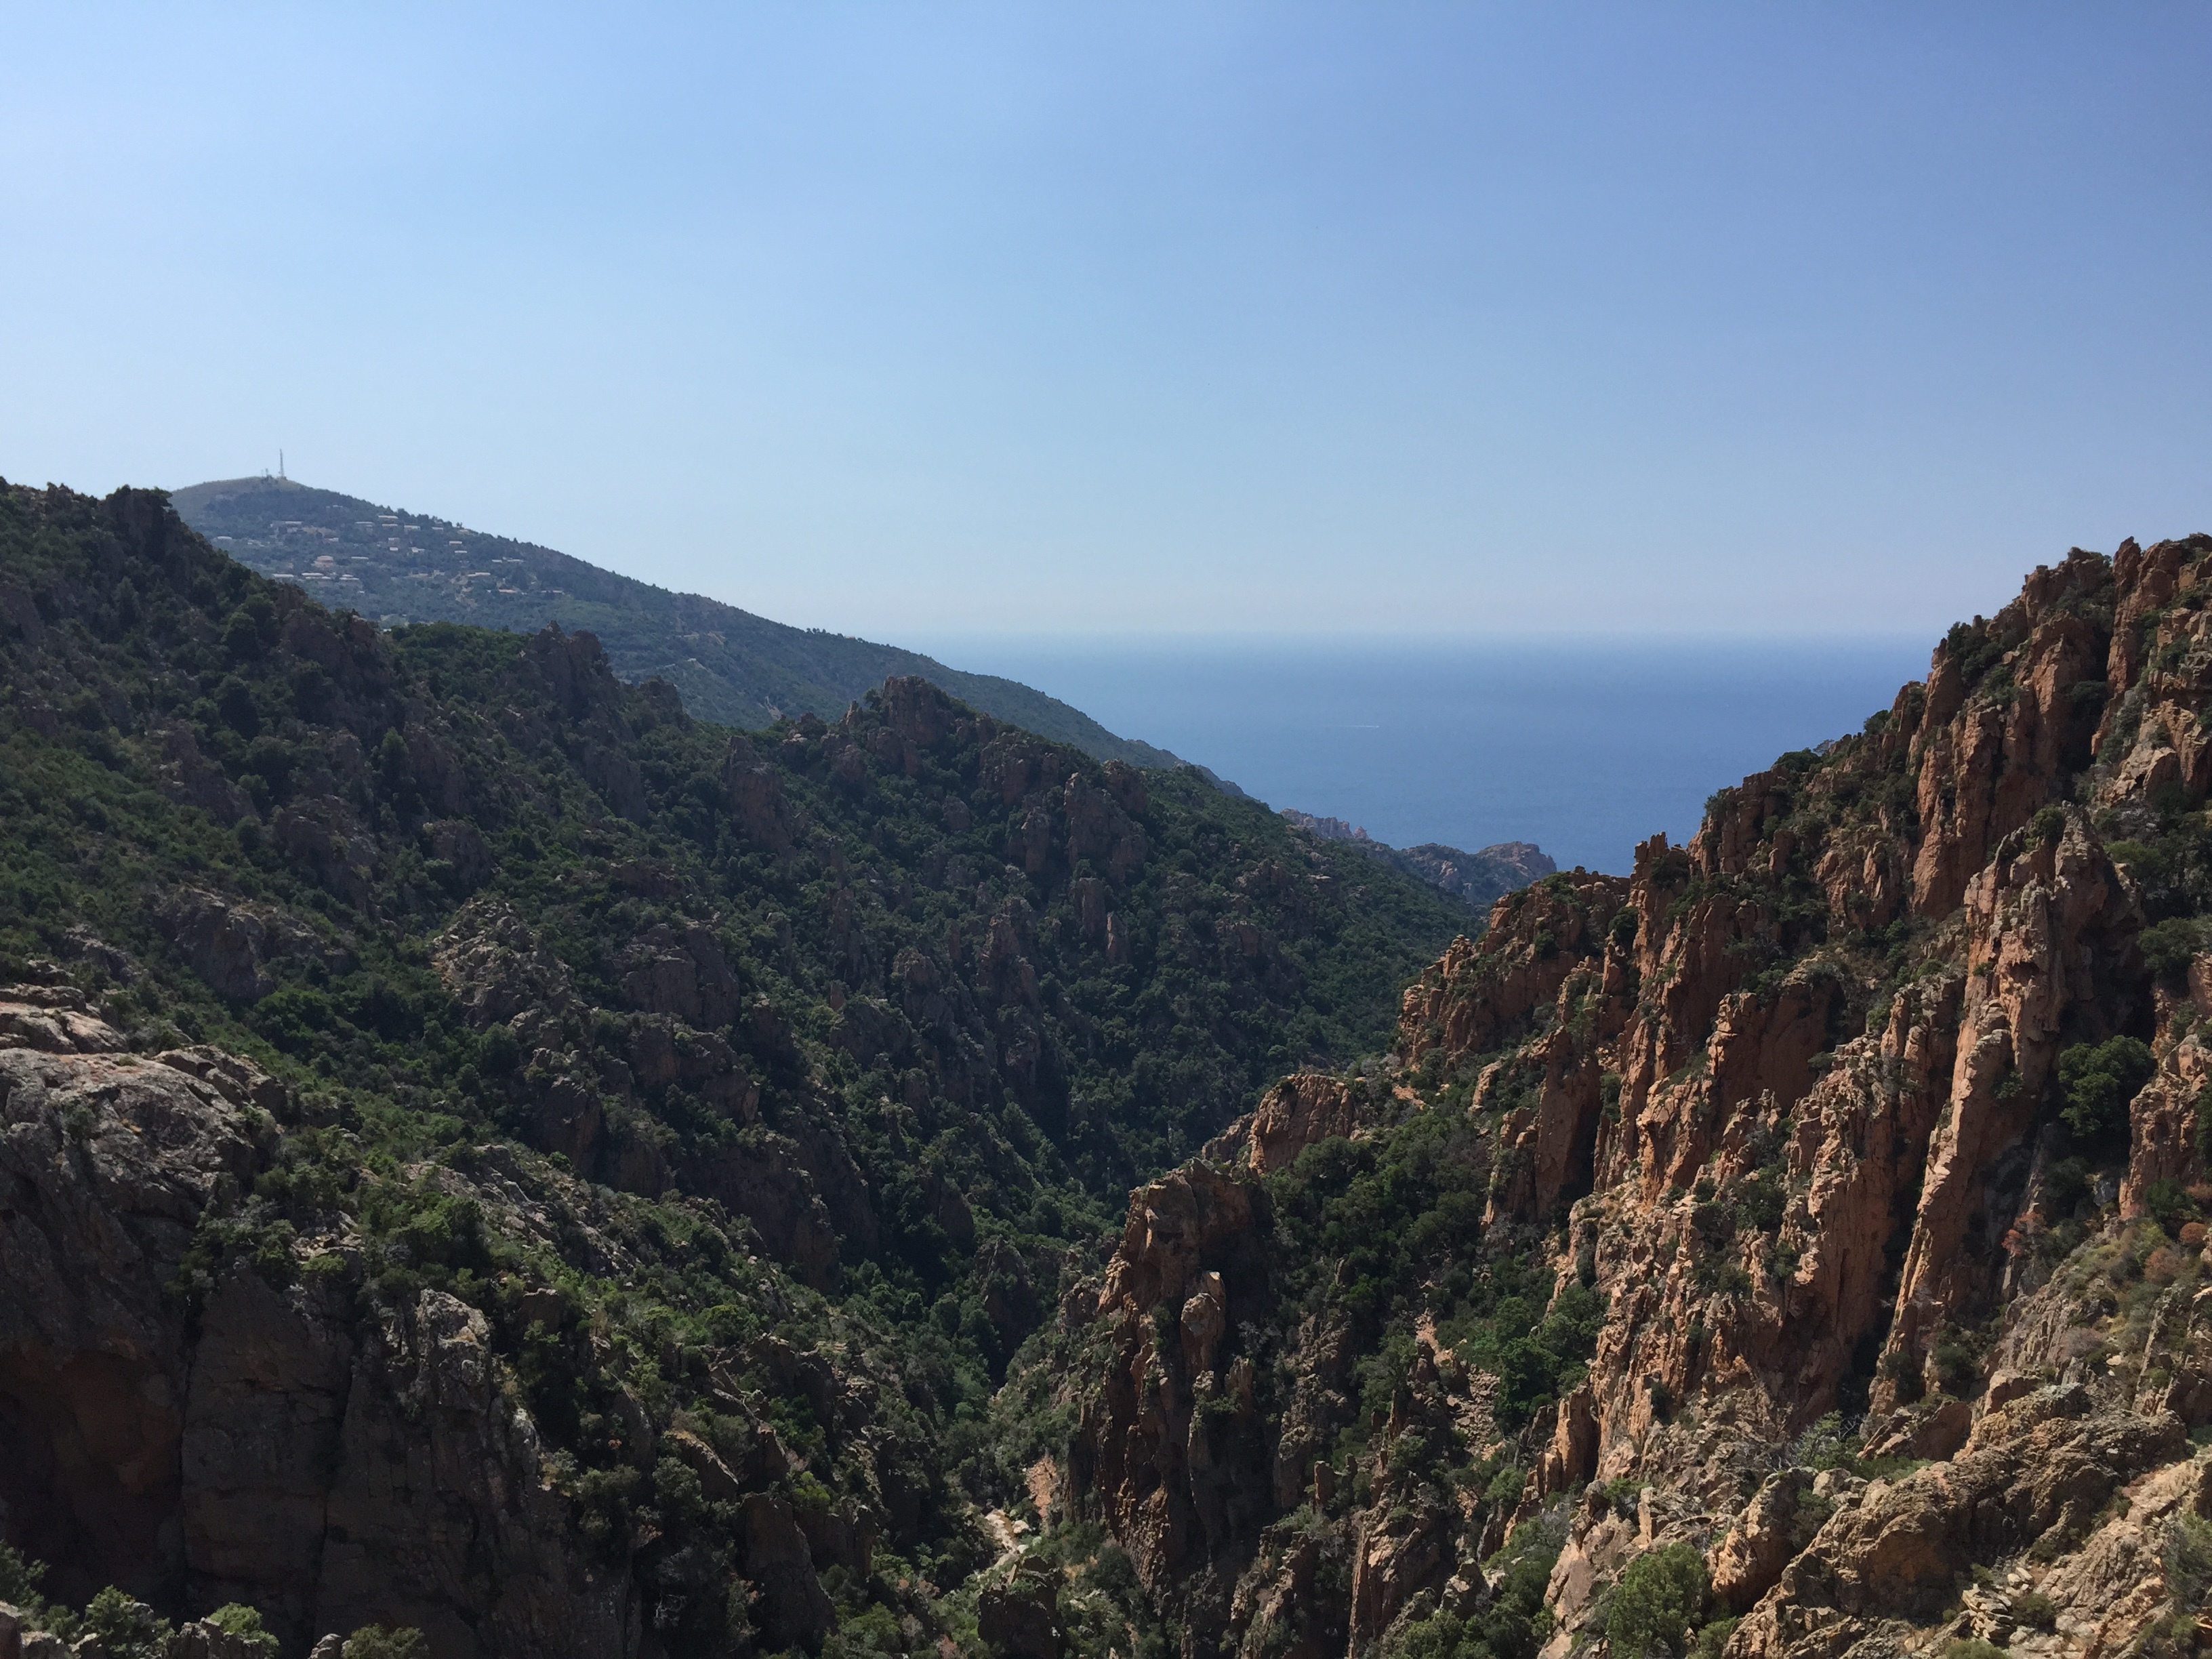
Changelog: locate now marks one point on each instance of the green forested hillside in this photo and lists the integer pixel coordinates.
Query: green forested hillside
(829, 1046)
(729, 665)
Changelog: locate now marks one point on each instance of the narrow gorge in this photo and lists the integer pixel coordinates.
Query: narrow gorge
(488, 1155)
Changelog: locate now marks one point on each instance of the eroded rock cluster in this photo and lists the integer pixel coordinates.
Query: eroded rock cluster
(1899, 1341)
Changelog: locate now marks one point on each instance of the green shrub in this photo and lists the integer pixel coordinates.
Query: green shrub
(1957, 1365)
(1973, 650)
(2168, 948)
(2170, 1205)
(2188, 1559)
(1386, 1225)
(1660, 1596)
(2098, 1080)
(2065, 1185)
(1760, 1204)
(1623, 1497)
(236, 1618)
(20, 1577)
(385, 1642)
(1516, 1622)
(126, 1626)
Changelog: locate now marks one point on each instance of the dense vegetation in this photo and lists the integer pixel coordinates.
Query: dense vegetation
(1514, 1624)
(809, 1061)
(1451, 1337)
(728, 665)
(1387, 1229)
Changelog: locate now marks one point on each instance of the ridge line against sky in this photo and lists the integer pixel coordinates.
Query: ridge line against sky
(908, 322)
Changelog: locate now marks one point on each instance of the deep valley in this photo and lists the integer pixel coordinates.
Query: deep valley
(490, 1153)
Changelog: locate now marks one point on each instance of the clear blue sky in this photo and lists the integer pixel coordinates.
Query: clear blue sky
(904, 319)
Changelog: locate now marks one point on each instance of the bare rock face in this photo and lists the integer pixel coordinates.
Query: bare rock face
(1127, 785)
(918, 711)
(265, 1452)
(321, 838)
(57, 1020)
(795, 1609)
(1898, 1551)
(1283, 1602)
(761, 1177)
(1747, 1561)
(574, 669)
(1019, 1617)
(1400, 1553)
(1482, 991)
(1302, 1109)
(1787, 1100)
(681, 971)
(265, 1424)
(1099, 826)
(495, 968)
(341, 1483)
(439, 1478)
(757, 798)
(107, 1160)
(2162, 1120)
(1183, 1488)
(1174, 1225)
(2050, 933)
(1648, 1064)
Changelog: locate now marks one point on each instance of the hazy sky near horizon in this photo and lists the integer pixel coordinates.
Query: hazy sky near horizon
(897, 319)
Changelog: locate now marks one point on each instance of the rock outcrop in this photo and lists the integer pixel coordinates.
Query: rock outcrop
(266, 1450)
(1725, 1068)
(1171, 1446)
(202, 1429)
(1788, 1103)
(1300, 1111)
(1896, 1552)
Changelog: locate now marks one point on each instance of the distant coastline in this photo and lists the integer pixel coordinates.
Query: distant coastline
(1583, 746)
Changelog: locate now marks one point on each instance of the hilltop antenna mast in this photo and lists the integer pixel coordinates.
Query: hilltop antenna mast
(280, 465)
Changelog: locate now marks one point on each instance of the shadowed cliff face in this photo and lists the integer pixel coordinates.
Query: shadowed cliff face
(269, 1450)
(1809, 1106)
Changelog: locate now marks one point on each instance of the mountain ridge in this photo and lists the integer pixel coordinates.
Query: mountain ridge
(731, 665)
(753, 672)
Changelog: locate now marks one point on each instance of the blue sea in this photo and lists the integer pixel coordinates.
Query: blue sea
(1584, 746)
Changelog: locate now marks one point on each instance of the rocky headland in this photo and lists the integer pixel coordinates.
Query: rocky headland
(1480, 878)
